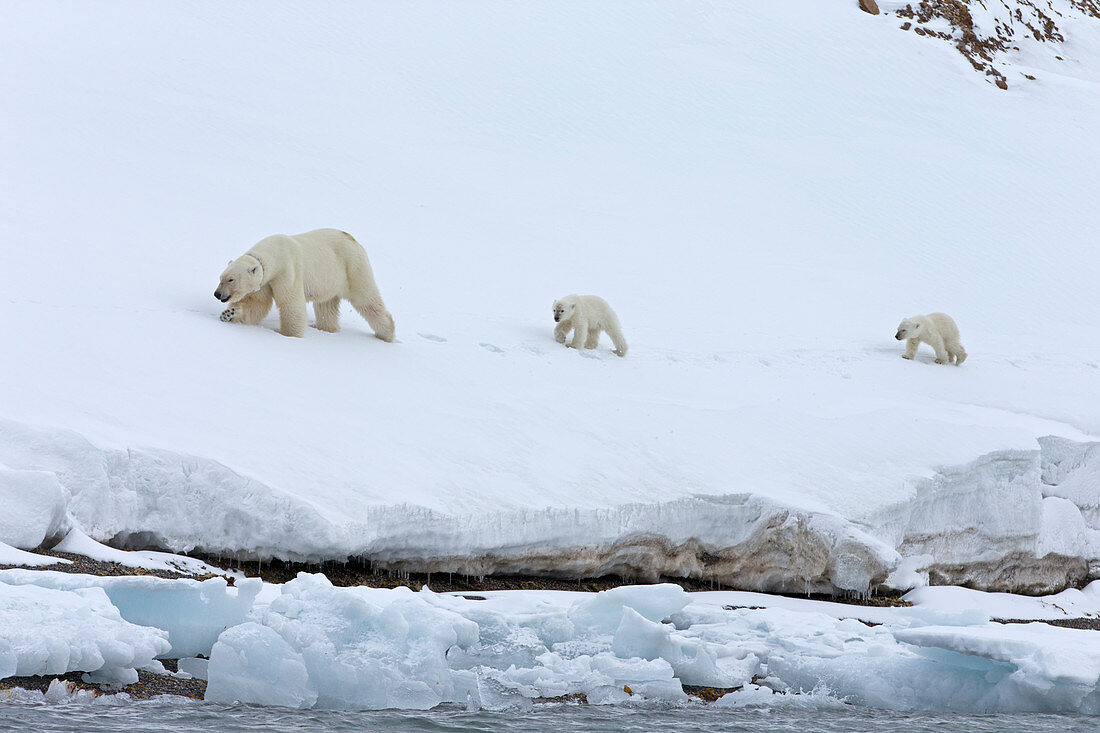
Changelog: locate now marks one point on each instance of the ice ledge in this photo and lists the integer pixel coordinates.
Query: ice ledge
(1015, 521)
(1020, 521)
(740, 540)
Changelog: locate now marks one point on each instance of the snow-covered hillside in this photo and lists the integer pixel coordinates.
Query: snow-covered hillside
(761, 191)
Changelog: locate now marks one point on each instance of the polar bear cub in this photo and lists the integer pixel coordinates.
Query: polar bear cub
(323, 267)
(937, 330)
(587, 316)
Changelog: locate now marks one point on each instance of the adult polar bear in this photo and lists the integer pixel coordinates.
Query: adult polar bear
(939, 331)
(587, 316)
(323, 267)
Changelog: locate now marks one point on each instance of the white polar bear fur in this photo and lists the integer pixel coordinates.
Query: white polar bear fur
(323, 267)
(587, 316)
(939, 331)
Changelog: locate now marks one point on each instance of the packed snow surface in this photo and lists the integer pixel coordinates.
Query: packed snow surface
(760, 191)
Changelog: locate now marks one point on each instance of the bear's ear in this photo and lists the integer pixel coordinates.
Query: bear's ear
(252, 270)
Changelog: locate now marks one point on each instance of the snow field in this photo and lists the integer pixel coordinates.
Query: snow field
(759, 219)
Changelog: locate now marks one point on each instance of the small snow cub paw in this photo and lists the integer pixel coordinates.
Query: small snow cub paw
(229, 315)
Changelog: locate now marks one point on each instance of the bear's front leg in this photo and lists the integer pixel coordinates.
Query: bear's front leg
(580, 336)
(292, 314)
(910, 348)
(249, 310)
(560, 330)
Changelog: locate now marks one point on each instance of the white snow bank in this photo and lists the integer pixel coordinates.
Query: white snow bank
(1000, 522)
(316, 645)
(47, 631)
(78, 543)
(34, 504)
(1070, 603)
(14, 556)
(191, 613)
(961, 523)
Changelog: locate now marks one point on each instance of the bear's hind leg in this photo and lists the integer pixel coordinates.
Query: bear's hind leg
(328, 315)
(616, 335)
(379, 319)
(942, 357)
(956, 352)
(593, 339)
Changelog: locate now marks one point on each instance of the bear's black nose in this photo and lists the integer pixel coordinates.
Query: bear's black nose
(556, 319)
(898, 336)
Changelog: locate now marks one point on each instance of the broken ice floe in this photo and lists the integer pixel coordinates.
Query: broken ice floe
(316, 645)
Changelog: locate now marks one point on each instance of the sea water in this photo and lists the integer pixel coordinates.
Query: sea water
(174, 714)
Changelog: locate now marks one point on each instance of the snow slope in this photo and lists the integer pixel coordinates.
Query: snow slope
(761, 193)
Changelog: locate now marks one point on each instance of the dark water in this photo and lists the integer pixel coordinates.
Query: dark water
(160, 715)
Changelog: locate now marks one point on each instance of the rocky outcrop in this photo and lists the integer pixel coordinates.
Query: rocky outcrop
(989, 34)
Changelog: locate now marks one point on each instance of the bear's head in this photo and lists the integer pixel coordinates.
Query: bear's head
(243, 276)
(909, 329)
(563, 309)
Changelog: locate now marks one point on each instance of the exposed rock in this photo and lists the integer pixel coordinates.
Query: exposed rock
(1007, 24)
(869, 6)
(1016, 573)
(149, 684)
